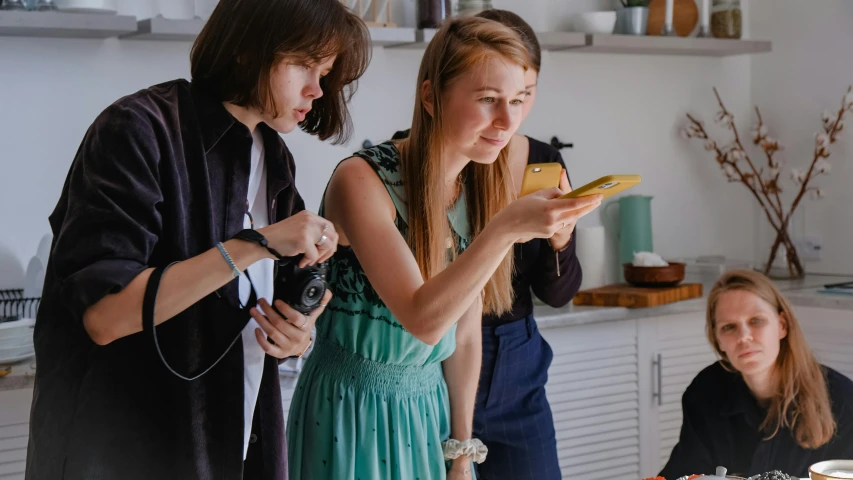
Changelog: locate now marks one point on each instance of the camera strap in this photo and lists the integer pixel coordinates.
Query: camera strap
(150, 299)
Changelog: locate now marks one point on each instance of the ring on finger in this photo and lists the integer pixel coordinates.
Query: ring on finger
(306, 348)
(322, 240)
(302, 327)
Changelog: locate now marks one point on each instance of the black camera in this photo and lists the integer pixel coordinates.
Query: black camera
(301, 288)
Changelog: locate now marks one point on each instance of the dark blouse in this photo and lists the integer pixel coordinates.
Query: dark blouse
(536, 262)
(160, 176)
(721, 428)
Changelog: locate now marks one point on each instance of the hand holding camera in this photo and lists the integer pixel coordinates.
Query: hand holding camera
(288, 331)
(305, 233)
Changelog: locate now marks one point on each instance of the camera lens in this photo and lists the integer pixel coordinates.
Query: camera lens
(312, 292)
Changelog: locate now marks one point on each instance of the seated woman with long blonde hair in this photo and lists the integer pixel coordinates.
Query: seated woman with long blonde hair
(767, 404)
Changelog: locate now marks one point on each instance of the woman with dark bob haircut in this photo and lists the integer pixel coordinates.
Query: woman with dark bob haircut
(147, 373)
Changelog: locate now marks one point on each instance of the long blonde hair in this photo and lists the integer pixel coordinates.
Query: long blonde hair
(801, 402)
(460, 45)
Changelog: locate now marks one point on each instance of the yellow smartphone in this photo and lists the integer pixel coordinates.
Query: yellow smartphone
(608, 186)
(540, 176)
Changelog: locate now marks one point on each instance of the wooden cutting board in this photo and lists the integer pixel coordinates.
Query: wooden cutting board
(624, 295)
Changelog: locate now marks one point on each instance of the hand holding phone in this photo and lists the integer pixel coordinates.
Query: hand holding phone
(540, 176)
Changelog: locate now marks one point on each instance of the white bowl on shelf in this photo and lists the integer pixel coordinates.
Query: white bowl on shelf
(595, 22)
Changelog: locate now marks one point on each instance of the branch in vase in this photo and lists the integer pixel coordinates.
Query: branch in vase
(823, 140)
(738, 152)
(764, 183)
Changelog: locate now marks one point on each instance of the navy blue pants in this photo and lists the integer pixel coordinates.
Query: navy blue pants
(512, 416)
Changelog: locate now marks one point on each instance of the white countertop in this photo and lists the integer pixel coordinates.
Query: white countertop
(801, 292)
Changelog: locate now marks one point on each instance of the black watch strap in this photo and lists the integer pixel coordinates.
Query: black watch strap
(255, 236)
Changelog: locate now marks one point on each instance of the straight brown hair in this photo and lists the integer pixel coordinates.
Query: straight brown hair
(244, 40)
(460, 45)
(801, 402)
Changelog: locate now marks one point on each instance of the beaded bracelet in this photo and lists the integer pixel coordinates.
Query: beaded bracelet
(235, 272)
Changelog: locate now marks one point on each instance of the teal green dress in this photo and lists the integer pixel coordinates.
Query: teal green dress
(371, 402)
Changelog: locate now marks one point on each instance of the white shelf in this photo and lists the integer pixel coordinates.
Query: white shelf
(159, 28)
(94, 25)
(64, 25)
(558, 41)
(392, 36)
(657, 45)
(420, 40)
(553, 41)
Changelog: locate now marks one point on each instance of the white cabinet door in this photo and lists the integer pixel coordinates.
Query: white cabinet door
(14, 432)
(683, 351)
(830, 336)
(593, 390)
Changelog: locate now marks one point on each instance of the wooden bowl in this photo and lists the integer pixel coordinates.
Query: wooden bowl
(668, 276)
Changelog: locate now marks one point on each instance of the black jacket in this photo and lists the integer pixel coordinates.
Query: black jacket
(721, 427)
(161, 176)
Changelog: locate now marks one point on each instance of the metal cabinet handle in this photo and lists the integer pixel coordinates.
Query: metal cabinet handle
(657, 365)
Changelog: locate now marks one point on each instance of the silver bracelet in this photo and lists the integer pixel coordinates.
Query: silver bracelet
(558, 252)
(473, 448)
(235, 272)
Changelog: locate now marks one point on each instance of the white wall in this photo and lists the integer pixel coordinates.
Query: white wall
(809, 71)
(622, 113)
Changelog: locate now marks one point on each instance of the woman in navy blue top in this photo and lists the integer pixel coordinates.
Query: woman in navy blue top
(512, 415)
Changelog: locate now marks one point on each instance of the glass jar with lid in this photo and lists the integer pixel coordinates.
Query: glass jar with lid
(726, 19)
(432, 12)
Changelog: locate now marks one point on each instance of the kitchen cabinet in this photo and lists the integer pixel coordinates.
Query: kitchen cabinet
(829, 333)
(594, 391)
(14, 432)
(675, 350)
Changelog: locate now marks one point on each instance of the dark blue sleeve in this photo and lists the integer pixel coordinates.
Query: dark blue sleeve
(553, 289)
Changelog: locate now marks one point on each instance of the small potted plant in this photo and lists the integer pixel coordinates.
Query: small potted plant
(633, 18)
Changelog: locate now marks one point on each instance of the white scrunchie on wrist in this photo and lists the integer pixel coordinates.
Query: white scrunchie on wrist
(473, 448)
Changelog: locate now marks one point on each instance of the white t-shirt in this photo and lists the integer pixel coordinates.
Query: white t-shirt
(262, 276)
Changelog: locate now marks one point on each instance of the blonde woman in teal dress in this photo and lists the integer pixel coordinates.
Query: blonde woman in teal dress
(426, 230)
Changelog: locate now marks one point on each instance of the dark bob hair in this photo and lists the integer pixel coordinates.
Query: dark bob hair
(244, 40)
